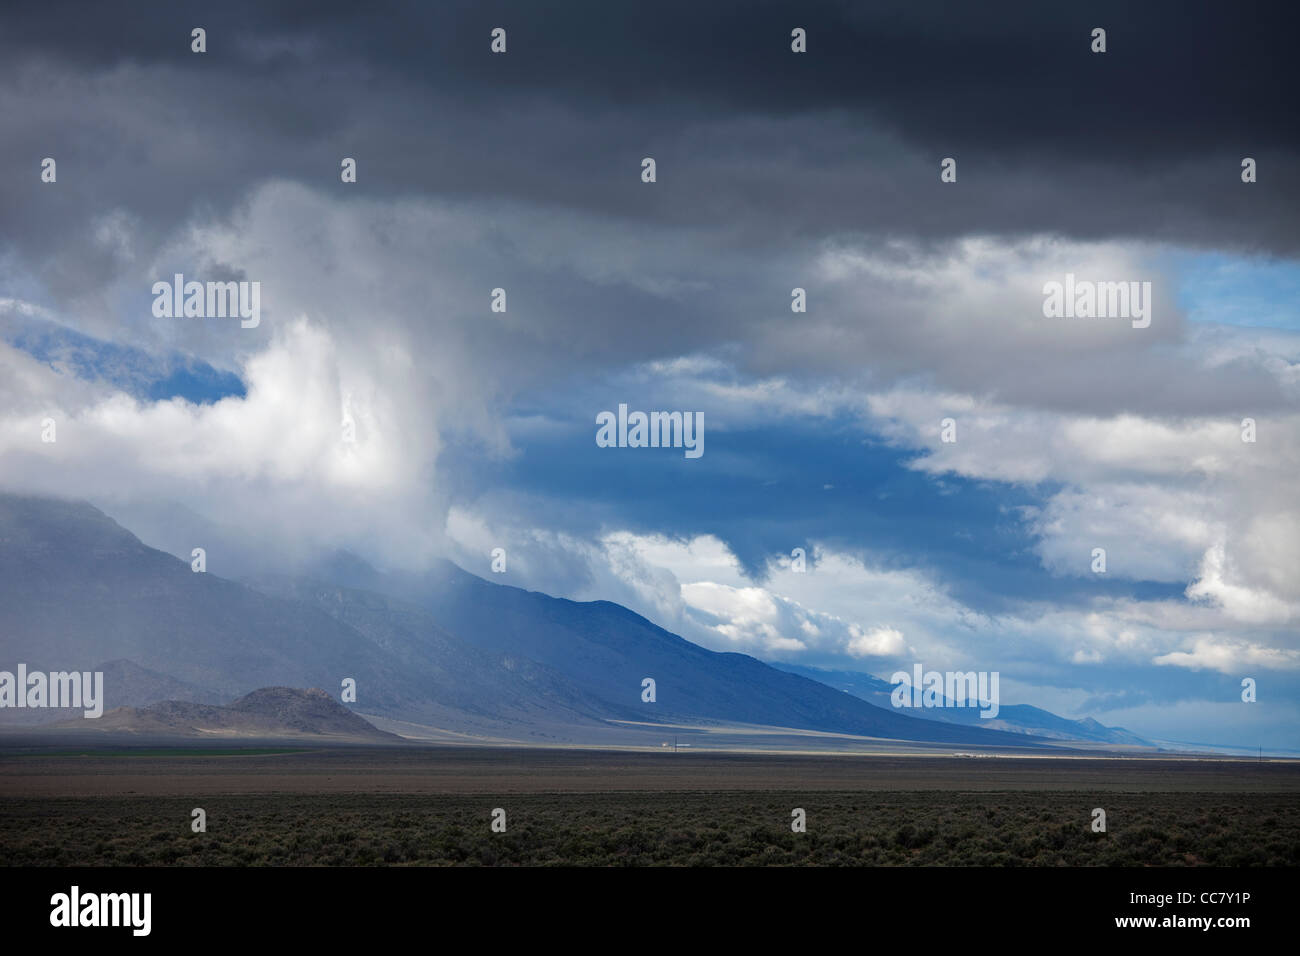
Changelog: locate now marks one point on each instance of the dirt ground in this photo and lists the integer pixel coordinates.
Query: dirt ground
(454, 770)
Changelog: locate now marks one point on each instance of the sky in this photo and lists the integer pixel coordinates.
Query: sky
(823, 430)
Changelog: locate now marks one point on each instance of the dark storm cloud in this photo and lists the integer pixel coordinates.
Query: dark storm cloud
(1003, 73)
(764, 157)
(1143, 141)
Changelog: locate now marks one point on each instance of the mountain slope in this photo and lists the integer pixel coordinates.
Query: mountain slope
(126, 684)
(607, 650)
(468, 679)
(76, 589)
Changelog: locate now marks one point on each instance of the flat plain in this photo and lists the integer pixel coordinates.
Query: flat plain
(433, 806)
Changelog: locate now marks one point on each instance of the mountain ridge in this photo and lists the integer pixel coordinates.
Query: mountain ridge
(444, 649)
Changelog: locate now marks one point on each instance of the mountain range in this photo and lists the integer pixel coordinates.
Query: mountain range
(442, 650)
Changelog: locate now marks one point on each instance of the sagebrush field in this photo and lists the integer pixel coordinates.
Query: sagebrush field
(669, 828)
(429, 806)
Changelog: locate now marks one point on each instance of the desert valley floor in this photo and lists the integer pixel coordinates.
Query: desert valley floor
(285, 805)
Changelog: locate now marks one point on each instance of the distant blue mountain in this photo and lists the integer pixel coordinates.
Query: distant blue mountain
(144, 375)
(1014, 718)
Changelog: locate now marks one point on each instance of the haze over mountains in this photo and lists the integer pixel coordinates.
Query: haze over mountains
(443, 650)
